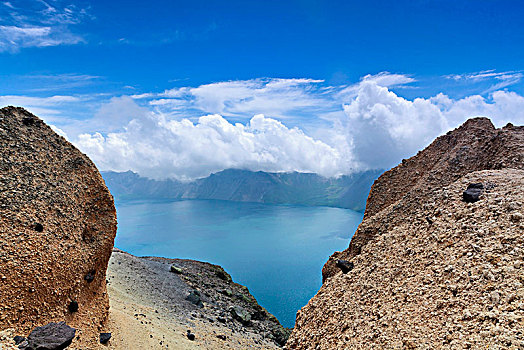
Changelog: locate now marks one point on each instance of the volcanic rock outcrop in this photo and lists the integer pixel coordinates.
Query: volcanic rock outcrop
(431, 269)
(57, 227)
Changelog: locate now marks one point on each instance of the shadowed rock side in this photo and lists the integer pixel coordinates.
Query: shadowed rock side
(57, 227)
(427, 269)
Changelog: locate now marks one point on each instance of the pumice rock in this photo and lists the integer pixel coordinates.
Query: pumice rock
(53, 336)
(52, 197)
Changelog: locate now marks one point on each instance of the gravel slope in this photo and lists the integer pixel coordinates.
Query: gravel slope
(149, 310)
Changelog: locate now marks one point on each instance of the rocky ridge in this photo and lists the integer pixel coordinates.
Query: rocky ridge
(57, 227)
(426, 269)
(159, 303)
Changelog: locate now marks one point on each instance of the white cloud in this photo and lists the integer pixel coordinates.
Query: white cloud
(384, 79)
(387, 79)
(38, 24)
(158, 148)
(499, 80)
(485, 75)
(36, 102)
(336, 132)
(285, 98)
(384, 128)
(13, 38)
(47, 108)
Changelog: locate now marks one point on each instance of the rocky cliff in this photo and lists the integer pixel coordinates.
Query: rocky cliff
(431, 266)
(57, 227)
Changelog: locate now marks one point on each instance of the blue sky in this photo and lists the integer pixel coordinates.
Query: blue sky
(327, 75)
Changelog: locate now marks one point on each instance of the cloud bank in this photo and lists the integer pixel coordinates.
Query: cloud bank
(158, 148)
(362, 126)
(270, 124)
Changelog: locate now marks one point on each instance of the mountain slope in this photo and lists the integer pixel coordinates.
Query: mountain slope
(426, 269)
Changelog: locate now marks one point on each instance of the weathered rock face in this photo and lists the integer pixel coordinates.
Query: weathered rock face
(474, 146)
(431, 270)
(57, 228)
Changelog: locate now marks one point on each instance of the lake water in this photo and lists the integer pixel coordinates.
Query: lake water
(277, 251)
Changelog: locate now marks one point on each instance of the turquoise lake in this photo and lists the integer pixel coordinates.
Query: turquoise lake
(277, 251)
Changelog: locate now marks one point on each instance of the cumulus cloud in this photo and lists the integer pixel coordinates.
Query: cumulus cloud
(158, 148)
(383, 127)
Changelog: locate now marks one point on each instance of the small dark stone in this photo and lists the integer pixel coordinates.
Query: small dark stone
(471, 195)
(223, 275)
(221, 319)
(428, 219)
(90, 276)
(241, 314)
(221, 336)
(27, 121)
(18, 339)
(345, 265)
(104, 337)
(73, 306)
(190, 335)
(53, 336)
(39, 227)
(194, 298)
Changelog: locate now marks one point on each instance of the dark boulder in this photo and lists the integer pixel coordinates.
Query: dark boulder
(478, 185)
(52, 336)
(345, 265)
(190, 335)
(472, 193)
(28, 121)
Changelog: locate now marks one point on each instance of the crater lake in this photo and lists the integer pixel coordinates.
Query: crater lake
(277, 251)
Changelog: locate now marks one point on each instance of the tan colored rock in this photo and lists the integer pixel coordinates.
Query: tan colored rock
(431, 271)
(474, 146)
(58, 224)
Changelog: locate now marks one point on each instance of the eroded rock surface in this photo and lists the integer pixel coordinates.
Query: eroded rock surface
(431, 270)
(57, 228)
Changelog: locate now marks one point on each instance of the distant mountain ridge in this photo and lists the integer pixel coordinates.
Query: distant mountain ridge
(348, 191)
